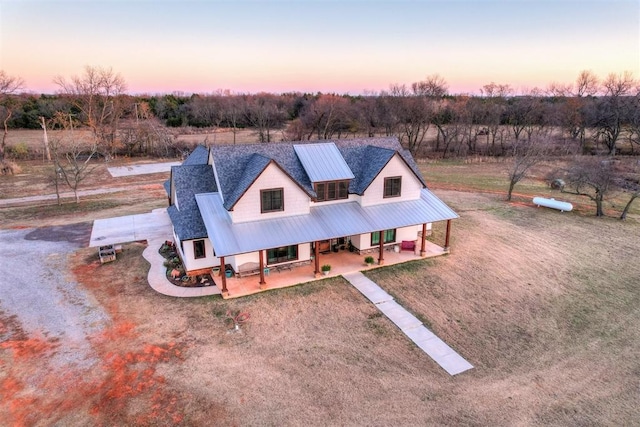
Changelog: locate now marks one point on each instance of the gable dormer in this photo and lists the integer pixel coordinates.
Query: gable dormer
(327, 170)
(396, 181)
(272, 193)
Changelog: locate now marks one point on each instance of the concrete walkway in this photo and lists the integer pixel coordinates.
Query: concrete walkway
(63, 196)
(141, 169)
(158, 280)
(413, 328)
(155, 228)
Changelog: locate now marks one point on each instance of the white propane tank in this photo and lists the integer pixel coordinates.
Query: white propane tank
(553, 204)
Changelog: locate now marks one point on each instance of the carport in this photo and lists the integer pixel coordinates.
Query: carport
(155, 225)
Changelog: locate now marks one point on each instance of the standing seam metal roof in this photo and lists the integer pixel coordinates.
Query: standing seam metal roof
(323, 222)
(323, 162)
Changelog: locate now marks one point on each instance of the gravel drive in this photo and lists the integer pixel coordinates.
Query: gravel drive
(38, 294)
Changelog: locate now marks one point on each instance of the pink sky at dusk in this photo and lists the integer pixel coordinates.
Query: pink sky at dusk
(309, 46)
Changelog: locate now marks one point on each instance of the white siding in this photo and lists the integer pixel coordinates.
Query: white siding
(172, 189)
(304, 254)
(363, 241)
(351, 198)
(196, 264)
(296, 201)
(410, 187)
(237, 260)
(408, 233)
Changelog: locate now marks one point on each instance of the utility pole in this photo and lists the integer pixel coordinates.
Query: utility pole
(45, 138)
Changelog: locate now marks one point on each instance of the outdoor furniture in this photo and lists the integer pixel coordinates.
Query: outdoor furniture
(107, 253)
(248, 269)
(408, 245)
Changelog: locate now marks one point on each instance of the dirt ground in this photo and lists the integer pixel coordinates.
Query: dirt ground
(543, 304)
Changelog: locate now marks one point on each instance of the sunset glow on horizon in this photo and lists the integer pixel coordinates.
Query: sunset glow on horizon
(318, 46)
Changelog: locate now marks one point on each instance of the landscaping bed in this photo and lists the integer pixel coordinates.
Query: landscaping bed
(175, 270)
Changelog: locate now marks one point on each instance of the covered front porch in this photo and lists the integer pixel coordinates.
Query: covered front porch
(341, 262)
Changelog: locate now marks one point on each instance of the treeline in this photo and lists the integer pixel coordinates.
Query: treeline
(463, 125)
(592, 115)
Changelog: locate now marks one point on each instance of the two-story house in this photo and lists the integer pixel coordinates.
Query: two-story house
(282, 203)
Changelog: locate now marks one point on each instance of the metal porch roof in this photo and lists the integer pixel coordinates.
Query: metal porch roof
(323, 222)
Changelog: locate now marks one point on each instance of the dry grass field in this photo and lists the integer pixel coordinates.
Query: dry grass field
(544, 304)
(33, 138)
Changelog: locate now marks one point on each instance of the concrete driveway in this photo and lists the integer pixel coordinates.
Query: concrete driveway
(118, 171)
(155, 228)
(155, 225)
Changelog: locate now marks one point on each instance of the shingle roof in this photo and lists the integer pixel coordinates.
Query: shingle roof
(190, 180)
(239, 165)
(370, 160)
(199, 156)
(241, 178)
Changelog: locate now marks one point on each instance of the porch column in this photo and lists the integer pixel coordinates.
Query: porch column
(316, 259)
(446, 239)
(262, 282)
(381, 251)
(223, 275)
(423, 250)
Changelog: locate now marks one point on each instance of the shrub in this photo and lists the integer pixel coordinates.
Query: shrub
(368, 259)
(19, 151)
(8, 167)
(326, 267)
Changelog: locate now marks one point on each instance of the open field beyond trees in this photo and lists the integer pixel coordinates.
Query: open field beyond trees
(544, 304)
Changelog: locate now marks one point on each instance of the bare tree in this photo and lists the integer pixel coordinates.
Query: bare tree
(71, 158)
(495, 105)
(612, 108)
(587, 84)
(633, 188)
(433, 86)
(412, 115)
(232, 106)
(264, 112)
(72, 162)
(592, 177)
(574, 100)
(9, 85)
(629, 182)
(97, 95)
(448, 118)
(325, 116)
(525, 154)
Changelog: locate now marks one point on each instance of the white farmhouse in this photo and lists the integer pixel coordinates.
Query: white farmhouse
(257, 206)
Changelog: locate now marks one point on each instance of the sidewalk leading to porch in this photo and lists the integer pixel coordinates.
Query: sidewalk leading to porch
(413, 328)
(342, 262)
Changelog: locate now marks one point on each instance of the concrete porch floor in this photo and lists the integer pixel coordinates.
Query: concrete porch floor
(341, 262)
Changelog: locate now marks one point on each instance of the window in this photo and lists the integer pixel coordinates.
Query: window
(321, 191)
(198, 249)
(343, 189)
(282, 254)
(392, 186)
(389, 237)
(271, 200)
(332, 190)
